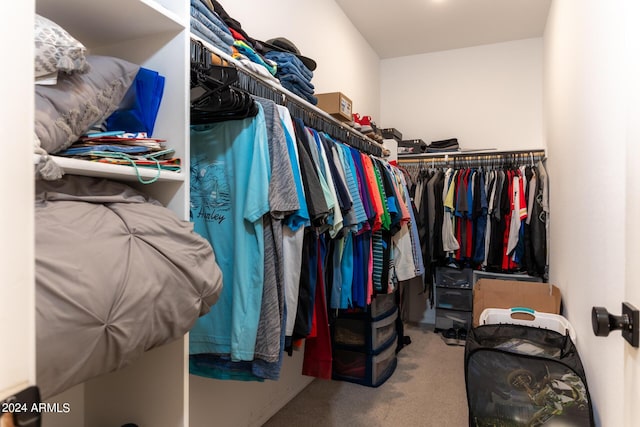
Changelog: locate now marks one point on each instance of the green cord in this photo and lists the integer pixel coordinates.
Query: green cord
(123, 156)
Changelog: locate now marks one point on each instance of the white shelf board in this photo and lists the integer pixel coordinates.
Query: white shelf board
(118, 172)
(103, 23)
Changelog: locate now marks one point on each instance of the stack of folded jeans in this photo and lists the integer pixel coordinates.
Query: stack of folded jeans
(293, 75)
(206, 24)
(444, 145)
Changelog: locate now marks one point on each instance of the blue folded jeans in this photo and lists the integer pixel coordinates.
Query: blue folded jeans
(296, 90)
(211, 15)
(284, 58)
(304, 85)
(225, 37)
(203, 32)
(290, 69)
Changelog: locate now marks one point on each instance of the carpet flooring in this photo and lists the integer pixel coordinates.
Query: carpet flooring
(427, 389)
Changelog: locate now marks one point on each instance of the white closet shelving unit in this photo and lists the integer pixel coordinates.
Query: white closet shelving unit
(17, 319)
(153, 34)
(154, 390)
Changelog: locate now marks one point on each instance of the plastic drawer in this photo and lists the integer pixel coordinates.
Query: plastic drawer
(382, 305)
(351, 332)
(383, 365)
(456, 319)
(383, 331)
(363, 334)
(448, 277)
(456, 299)
(362, 368)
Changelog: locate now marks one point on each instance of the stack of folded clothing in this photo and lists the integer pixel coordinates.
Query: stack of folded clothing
(208, 25)
(246, 54)
(412, 146)
(277, 59)
(243, 47)
(234, 26)
(294, 70)
(444, 145)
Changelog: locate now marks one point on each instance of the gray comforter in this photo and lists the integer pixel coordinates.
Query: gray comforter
(117, 274)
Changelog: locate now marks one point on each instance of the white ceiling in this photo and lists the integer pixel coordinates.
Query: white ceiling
(408, 27)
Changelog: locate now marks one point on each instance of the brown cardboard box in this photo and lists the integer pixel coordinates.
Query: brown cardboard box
(494, 293)
(337, 104)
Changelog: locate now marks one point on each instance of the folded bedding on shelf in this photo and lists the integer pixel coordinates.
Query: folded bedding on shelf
(117, 274)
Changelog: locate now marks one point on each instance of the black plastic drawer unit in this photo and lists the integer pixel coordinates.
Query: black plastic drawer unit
(364, 368)
(455, 299)
(447, 277)
(382, 305)
(362, 334)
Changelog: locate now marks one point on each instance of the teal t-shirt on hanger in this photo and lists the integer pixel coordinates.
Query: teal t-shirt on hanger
(229, 195)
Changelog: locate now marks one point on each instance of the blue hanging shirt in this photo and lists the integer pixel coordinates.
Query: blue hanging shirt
(229, 195)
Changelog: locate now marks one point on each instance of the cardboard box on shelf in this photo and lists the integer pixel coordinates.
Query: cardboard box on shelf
(337, 104)
(494, 293)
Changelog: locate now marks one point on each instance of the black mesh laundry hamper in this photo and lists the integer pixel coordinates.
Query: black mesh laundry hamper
(524, 376)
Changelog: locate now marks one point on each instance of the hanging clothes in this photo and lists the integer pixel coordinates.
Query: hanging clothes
(293, 232)
(283, 201)
(487, 217)
(229, 186)
(317, 350)
(304, 225)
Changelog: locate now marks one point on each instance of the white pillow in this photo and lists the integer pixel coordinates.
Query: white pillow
(56, 50)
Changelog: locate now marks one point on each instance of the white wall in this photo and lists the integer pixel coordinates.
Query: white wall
(244, 404)
(487, 96)
(632, 68)
(321, 31)
(586, 130)
(17, 291)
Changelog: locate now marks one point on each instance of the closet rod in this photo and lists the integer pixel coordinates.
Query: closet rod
(310, 114)
(473, 156)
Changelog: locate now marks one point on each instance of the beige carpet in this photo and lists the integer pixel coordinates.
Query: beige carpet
(427, 389)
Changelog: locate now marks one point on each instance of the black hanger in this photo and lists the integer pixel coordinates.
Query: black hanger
(213, 96)
(212, 80)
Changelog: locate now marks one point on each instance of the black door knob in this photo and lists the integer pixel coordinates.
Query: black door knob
(603, 322)
(628, 322)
